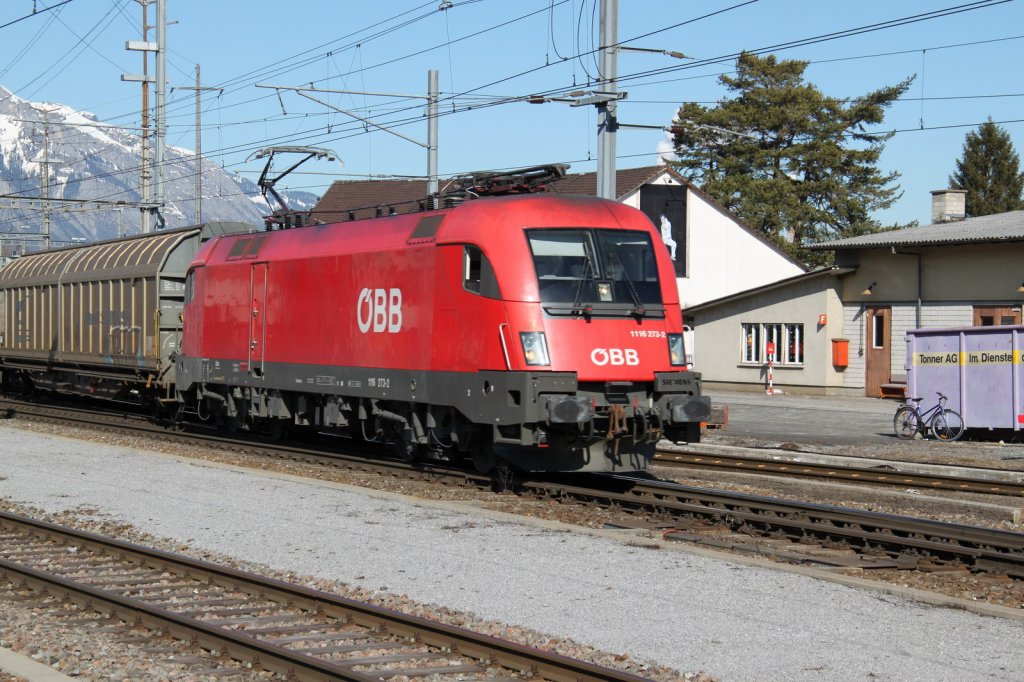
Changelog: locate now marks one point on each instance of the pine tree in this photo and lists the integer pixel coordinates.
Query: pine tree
(791, 162)
(989, 169)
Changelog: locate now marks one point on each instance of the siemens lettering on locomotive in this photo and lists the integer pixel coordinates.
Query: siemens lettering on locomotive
(539, 331)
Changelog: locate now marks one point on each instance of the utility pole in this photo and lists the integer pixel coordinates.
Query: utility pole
(607, 121)
(431, 145)
(606, 97)
(161, 110)
(433, 94)
(199, 143)
(145, 187)
(147, 171)
(46, 179)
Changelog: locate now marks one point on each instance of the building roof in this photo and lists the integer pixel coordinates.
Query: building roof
(999, 227)
(739, 295)
(362, 198)
(627, 181)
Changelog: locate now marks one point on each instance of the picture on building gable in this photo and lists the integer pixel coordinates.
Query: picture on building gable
(665, 206)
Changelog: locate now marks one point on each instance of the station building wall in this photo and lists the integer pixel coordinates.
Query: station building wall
(952, 281)
(721, 353)
(959, 272)
(719, 342)
(903, 319)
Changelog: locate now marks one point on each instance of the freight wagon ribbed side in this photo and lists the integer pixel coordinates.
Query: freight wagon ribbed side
(100, 319)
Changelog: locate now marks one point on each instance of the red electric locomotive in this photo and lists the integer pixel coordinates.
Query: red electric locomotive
(543, 331)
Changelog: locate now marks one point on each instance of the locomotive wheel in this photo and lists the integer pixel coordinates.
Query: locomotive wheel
(484, 459)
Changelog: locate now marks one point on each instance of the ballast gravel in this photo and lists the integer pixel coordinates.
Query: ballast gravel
(675, 608)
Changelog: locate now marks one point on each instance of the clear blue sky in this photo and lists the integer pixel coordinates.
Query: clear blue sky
(967, 67)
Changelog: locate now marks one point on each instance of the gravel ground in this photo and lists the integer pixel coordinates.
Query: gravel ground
(37, 627)
(682, 610)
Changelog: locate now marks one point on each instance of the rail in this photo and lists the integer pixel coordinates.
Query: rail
(296, 631)
(987, 481)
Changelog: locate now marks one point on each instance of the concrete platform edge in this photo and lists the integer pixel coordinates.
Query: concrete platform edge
(866, 462)
(20, 665)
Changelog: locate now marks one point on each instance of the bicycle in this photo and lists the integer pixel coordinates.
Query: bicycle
(945, 424)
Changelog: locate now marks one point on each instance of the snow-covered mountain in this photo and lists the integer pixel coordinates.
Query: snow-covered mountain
(90, 160)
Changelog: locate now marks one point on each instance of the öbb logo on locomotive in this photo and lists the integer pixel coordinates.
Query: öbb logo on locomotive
(379, 310)
(615, 356)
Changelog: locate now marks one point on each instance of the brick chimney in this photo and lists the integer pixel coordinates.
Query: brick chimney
(949, 205)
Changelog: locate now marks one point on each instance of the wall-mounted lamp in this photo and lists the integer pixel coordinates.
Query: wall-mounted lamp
(1020, 289)
(871, 287)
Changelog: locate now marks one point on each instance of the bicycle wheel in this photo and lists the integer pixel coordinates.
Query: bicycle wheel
(947, 425)
(907, 422)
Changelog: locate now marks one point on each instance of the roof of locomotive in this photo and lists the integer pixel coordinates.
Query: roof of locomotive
(480, 221)
(492, 222)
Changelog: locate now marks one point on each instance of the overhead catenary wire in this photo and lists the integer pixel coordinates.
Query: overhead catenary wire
(81, 45)
(980, 3)
(644, 35)
(283, 66)
(507, 100)
(35, 13)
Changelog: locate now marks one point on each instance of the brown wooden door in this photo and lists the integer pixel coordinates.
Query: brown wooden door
(878, 354)
(987, 316)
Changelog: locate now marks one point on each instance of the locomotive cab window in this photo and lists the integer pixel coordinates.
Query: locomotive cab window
(190, 286)
(477, 273)
(596, 268)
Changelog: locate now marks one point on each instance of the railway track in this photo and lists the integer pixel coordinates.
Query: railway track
(879, 540)
(719, 518)
(890, 475)
(297, 632)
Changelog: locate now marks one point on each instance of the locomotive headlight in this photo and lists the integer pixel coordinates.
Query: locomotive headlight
(535, 348)
(675, 349)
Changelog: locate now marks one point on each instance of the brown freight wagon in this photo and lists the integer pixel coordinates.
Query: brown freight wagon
(100, 319)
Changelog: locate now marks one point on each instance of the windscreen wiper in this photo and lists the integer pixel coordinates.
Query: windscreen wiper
(638, 309)
(585, 276)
